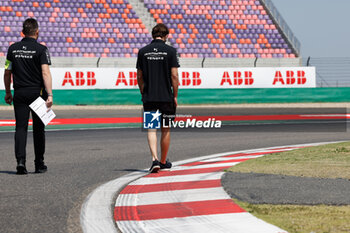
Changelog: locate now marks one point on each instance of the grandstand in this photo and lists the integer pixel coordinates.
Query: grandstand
(116, 29)
(78, 28)
(238, 29)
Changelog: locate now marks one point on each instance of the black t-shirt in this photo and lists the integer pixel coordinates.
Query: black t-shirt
(25, 58)
(156, 60)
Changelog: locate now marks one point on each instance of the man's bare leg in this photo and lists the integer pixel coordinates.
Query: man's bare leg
(164, 144)
(152, 143)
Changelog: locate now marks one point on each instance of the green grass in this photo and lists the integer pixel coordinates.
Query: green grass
(302, 219)
(326, 161)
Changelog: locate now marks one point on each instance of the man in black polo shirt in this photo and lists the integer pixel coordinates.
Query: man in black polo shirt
(28, 63)
(157, 77)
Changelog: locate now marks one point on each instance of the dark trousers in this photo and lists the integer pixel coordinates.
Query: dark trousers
(21, 101)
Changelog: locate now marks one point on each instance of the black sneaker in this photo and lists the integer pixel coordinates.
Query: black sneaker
(42, 168)
(21, 169)
(167, 165)
(155, 167)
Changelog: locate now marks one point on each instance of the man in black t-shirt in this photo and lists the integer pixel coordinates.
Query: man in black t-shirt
(28, 63)
(157, 76)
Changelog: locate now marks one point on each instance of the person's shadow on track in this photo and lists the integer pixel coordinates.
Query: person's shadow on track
(15, 173)
(8, 172)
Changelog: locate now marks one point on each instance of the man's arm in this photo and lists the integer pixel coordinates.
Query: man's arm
(175, 82)
(7, 82)
(140, 81)
(47, 83)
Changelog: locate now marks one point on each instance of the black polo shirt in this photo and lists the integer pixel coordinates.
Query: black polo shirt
(24, 59)
(156, 60)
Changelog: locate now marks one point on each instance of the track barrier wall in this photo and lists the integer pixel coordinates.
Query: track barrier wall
(206, 96)
(111, 86)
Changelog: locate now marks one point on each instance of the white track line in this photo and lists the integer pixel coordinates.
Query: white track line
(183, 178)
(182, 168)
(96, 215)
(231, 158)
(174, 196)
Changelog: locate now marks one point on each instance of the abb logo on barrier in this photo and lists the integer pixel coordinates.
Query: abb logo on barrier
(131, 81)
(238, 78)
(246, 78)
(80, 79)
(89, 79)
(289, 78)
(189, 79)
(195, 78)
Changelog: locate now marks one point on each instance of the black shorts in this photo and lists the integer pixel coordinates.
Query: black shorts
(168, 109)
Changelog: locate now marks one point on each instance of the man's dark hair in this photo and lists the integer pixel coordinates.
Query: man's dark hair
(160, 30)
(30, 26)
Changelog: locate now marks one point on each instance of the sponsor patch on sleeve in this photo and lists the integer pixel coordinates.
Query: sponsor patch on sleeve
(8, 65)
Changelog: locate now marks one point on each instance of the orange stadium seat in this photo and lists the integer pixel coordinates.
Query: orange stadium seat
(237, 28)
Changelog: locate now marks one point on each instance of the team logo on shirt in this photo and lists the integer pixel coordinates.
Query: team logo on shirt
(151, 120)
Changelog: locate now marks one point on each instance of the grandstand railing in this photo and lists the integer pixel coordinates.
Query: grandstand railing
(330, 71)
(109, 62)
(283, 25)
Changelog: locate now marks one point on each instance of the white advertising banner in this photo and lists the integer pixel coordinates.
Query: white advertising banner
(125, 78)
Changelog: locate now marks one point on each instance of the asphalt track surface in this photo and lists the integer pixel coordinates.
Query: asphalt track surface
(81, 160)
(257, 188)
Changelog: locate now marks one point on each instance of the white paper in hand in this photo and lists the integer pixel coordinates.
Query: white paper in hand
(40, 108)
